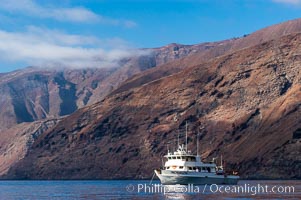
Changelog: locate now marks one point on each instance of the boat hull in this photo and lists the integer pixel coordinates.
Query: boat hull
(201, 179)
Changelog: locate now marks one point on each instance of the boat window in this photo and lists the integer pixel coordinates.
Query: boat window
(181, 167)
(194, 168)
(190, 168)
(169, 157)
(167, 167)
(178, 157)
(173, 157)
(192, 158)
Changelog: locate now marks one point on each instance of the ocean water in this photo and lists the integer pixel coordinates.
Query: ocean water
(138, 190)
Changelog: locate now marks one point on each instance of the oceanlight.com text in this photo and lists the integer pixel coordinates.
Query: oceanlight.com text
(246, 189)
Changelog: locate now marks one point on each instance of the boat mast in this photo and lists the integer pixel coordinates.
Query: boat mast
(167, 148)
(178, 138)
(186, 136)
(198, 136)
(222, 161)
(197, 144)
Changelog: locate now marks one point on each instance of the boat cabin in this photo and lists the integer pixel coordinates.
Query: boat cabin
(183, 160)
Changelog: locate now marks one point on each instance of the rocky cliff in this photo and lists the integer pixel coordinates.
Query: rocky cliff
(34, 93)
(42, 96)
(16, 141)
(247, 101)
(213, 50)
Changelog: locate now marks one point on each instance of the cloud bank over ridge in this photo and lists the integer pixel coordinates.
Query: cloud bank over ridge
(53, 48)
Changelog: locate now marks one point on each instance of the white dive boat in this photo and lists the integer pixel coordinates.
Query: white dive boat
(182, 167)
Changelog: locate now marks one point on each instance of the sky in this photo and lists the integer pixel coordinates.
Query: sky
(98, 33)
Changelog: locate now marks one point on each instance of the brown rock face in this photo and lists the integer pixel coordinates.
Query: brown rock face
(212, 50)
(16, 142)
(37, 94)
(247, 101)
(33, 94)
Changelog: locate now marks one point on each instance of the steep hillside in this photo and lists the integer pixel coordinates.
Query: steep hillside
(34, 93)
(15, 142)
(247, 101)
(212, 51)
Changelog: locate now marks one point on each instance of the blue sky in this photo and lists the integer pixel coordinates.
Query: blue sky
(96, 33)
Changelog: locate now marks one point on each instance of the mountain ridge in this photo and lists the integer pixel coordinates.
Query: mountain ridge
(35, 93)
(131, 120)
(240, 98)
(221, 48)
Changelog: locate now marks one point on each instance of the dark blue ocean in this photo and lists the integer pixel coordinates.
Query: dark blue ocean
(132, 189)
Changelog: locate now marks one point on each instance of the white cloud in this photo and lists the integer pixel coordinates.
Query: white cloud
(71, 14)
(129, 24)
(57, 37)
(60, 38)
(290, 2)
(52, 48)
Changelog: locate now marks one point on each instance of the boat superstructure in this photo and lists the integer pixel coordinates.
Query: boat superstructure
(182, 167)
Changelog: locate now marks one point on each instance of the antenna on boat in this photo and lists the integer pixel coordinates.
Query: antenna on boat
(186, 136)
(197, 144)
(178, 138)
(222, 161)
(175, 145)
(167, 148)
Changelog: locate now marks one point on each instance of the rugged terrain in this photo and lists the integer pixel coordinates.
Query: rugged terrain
(34, 93)
(244, 92)
(213, 50)
(16, 141)
(42, 96)
(247, 101)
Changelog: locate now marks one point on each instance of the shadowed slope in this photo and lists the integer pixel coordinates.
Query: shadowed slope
(247, 101)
